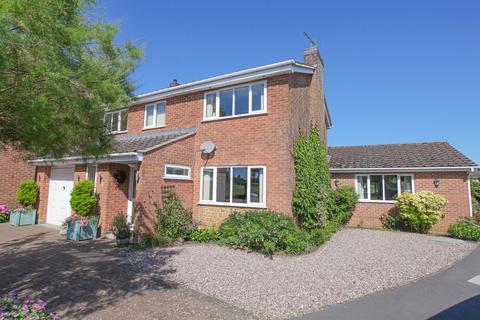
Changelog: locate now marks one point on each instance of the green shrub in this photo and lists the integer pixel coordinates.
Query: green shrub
(203, 235)
(263, 231)
(297, 243)
(311, 198)
(319, 236)
(392, 221)
(475, 191)
(343, 201)
(120, 227)
(420, 211)
(27, 193)
(173, 220)
(83, 199)
(465, 229)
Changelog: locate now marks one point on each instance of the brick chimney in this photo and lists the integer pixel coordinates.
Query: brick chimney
(319, 115)
(174, 83)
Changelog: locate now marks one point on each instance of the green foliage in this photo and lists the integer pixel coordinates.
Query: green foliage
(173, 220)
(343, 201)
(120, 228)
(203, 235)
(321, 235)
(311, 198)
(27, 193)
(420, 211)
(475, 191)
(60, 69)
(465, 229)
(83, 199)
(263, 231)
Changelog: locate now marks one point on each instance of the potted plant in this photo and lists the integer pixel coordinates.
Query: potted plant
(82, 225)
(4, 213)
(25, 214)
(121, 230)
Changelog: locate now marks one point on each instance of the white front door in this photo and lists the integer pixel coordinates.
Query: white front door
(61, 184)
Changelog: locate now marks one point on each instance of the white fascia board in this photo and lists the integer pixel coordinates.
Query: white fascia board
(254, 74)
(114, 157)
(411, 169)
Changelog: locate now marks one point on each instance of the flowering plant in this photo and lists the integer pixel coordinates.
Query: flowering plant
(13, 306)
(83, 220)
(4, 212)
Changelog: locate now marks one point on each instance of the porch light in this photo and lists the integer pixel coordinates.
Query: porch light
(436, 182)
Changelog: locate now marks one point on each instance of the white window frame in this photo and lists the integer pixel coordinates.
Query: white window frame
(154, 105)
(175, 176)
(217, 102)
(399, 189)
(119, 122)
(96, 175)
(262, 204)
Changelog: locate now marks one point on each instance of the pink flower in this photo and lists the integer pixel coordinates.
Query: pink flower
(83, 222)
(39, 304)
(4, 209)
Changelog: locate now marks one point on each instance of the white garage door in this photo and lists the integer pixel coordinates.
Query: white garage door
(61, 184)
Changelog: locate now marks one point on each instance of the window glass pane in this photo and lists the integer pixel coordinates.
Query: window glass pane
(391, 187)
(207, 188)
(123, 125)
(376, 188)
(406, 184)
(149, 116)
(226, 99)
(362, 187)
(257, 97)
(108, 122)
(241, 100)
(223, 185)
(256, 185)
(211, 105)
(177, 171)
(91, 170)
(240, 185)
(160, 121)
(115, 121)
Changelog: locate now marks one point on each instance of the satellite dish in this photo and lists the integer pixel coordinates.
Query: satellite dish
(207, 147)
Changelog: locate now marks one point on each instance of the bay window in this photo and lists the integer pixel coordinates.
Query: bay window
(116, 121)
(237, 101)
(236, 186)
(382, 187)
(154, 115)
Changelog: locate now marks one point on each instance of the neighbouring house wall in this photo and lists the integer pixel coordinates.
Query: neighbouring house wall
(151, 181)
(453, 185)
(14, 170)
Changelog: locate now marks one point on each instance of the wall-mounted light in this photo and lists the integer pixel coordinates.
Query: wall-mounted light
(78, 177)
(138, 178)
(337, 183)
(436, 182)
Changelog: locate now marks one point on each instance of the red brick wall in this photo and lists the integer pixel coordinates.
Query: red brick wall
(14, 170)
(43, 181)
(453, 185)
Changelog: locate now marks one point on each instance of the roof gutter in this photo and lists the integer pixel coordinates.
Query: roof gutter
(404, 169)
(114, 157)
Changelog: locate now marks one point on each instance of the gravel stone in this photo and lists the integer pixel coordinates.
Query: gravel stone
(354, 263)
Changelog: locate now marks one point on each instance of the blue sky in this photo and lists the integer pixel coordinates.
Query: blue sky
(395, 71)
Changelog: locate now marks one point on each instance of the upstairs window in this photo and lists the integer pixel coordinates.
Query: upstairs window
(173, 171)
(154, 115)
(116, 121)
(378, 187)
(236, 101)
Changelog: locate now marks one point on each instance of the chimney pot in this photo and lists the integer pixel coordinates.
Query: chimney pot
(174, 83)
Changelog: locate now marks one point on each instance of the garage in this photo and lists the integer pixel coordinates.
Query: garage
(61, 184)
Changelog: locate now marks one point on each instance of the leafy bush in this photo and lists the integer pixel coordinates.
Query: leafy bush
(475, 191)
(27, 193)
(12, 306)
(173, 220)
(82, 198)
(319, 236)
(263, 231)
(311, 198)
(120, 227)
(343, 201)
(203, 235)
(420, 211)
(465, 229)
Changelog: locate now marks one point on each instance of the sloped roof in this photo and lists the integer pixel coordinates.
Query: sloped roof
(407, 155)
(146, 141)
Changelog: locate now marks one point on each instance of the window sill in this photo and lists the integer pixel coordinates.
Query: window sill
(235, 117)
(237, 205)
(177, 178)
(377, 201)
(151, 128)
(118, 132)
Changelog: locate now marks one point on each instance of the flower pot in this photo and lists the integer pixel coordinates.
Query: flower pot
(122, 242)
(23, 218)
(77, 233)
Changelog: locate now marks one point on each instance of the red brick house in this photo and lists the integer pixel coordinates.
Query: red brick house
(249, 120)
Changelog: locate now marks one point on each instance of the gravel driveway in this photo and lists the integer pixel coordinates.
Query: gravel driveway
(354, 263)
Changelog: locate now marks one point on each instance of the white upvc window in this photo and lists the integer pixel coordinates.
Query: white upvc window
(241, 186)
(154, 115)
(382, 187)
(116, 121)
(175, 171)
(238, 101)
